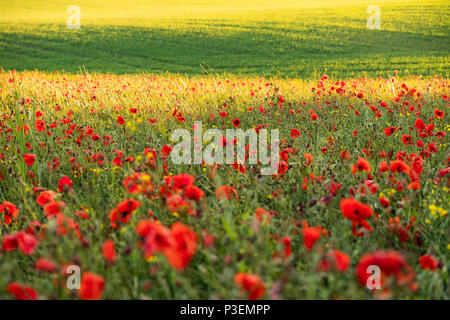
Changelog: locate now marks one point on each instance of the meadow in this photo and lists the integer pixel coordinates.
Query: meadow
(87, 180)
(93, 206)
(287, 38)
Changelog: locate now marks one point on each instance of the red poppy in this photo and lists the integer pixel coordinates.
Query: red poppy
(9, 211)
(226, 192)
(384, 166)
(361, 165)
(22, 292)
(29, 159)
(251, 283)
(157, 237)
(438, 114)
(295, 133)
(344, 155)
(122, 212)
(384, 202)
(391, 263)
(182, 181)
(428, 262)
(399, 166)
(389, 131)
(45, 265)
(24, 241)
(357, 212)
(40, 125)
(432, 147)
(91, 286)
(65, 184)
(263, 215)
(335, 260)
(54, 208)
(407, 140)
(108, 250)
(176, 203)
(183, 248)
(309, 158)
(194, 193)
(236, 122)
(311, 235)
(120, 120)
(44, 197)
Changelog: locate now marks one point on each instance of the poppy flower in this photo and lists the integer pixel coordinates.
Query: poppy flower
(432, 147)
(389, 131)
(407, 140)
(9, 211)
(236, 122)
(309, 158)
(108, 250)
(428, 262)
(391, 264)
(194, 193)
(9, 242)
(344, 155)
(383, 166)
(120, 120)
(384, 202)
(176, 203)
(438, 114)
(44, 197)
(91, 287)
(416, 165)
(399, 166)
(156, 237)
(183, 247)
(226, 192)
(139, 183)
(295, 133)
(335, 260)
(311, 235)
(250, 283)
(419, 125)
(40, 125)
(357, 212)
(182, 181)
(65, 184)
(263, 215)
(223, 114)
(165, 151)
(54, 208)
(287, 247)
(22, 292)
(24, 241)
(123, 211)
(362, 165)
(45, 265)
(29, 159)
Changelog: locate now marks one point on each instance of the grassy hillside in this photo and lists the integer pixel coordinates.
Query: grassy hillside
(286, 38)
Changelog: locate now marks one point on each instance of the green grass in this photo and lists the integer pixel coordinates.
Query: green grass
(285, 38)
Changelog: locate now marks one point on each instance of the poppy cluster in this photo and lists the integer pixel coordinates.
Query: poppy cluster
(88, 183)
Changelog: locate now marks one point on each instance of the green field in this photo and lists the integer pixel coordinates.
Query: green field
(270, 38)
